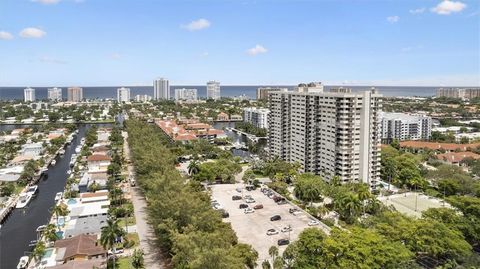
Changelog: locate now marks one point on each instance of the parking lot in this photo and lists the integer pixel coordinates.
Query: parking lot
(252, 228)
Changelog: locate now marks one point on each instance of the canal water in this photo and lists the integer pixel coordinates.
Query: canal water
(19, 228)
(236, 138)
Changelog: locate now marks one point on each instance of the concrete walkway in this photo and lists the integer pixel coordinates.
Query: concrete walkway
(152, 256)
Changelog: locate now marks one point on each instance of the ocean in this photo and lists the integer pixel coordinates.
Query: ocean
(16, 93)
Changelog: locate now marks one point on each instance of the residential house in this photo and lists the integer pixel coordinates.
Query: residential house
(79, 248)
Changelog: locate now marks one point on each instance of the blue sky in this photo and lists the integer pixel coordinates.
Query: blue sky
(131, 42)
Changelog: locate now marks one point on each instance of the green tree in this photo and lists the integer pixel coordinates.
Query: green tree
(39, 251)
(273, 252)
(109, 235)
(137, 259)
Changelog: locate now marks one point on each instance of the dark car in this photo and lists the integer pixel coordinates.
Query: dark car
(242, 206)
(282, 202)
(276, 217)
(259, 206)
(283, 242)
(236, 197)
(224, 214)
(277, 198)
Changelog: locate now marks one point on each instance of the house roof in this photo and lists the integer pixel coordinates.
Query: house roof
(100, 148)
(86, 264)
(437, 146)
(98, 157)
(456, 157)
(80, 245)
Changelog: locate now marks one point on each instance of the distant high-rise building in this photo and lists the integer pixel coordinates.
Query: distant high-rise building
(161, 89)
(213, 90)
(262, 92)
(142, 98)
(403, 126)
(258, 117)
(463, 93)
(29, 94)
(312, 87)
(329, 134)
(74, 94)
(123, 94)
(55, 94)
(185, 94)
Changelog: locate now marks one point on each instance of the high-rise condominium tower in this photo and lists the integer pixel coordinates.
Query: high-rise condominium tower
(123, 94)
(185, 94)
(161, 89)
(29, 94)
(55, 94)
(74, 94)
(262, 92)
(329, 134)
(213, 90)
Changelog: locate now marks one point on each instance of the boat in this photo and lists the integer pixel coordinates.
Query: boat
(69, 172)
(41, 228)
(58, 196)
(53, 162)
(23, 200)
(32, 190)
(76, 131)
(23, 262)
(61, 152)
(78, 149)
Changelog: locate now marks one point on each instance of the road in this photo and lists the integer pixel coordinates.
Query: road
(152, 255)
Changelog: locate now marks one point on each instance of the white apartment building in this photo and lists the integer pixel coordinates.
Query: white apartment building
(329, 134)
(29, 94)
(262, 92)
(185, 94)
(258, 117)
(142, 98)
(55, 94)
(402, 126)
(213, 90)
(74, 94)
(123, 94)
(161, 89)
(463, 93)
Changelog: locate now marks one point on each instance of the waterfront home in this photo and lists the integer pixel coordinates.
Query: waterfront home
(32, 150)
(87, 264)
(79, 248)
(89, 178)
(98, 162)
(222, 116)
(11, 174)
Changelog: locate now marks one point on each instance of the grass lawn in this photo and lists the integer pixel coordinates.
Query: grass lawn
(124, 263)
(131, 221)
(134, 237)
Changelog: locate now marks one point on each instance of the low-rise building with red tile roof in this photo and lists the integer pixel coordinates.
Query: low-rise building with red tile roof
(457, 157)
(419, 145)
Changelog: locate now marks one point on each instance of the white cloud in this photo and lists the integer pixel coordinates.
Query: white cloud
(417, 10)
(32, 32)
(5, 35)
(204, 54)
(393, 19)
(50, 60)
(447, 7)
(199, 24)
(46, 2)
(258, 49)
(116, 56)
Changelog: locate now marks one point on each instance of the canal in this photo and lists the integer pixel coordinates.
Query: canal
(19, 228)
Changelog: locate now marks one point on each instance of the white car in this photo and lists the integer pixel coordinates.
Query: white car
(250, 200)
(272, 232)
(313, 223)
(248, 210)
(286, 229)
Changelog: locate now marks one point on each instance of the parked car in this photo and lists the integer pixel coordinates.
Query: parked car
(282, 202)
(272, 232)
(313, 223)
(275, 218)
(283, 242)
(224, 213)
(248, 210)
(286, 229)
(250, 200)
(277, 199)
(259, 206)
(242, 206)
(291, 210)
(116, 251)
(236, 197)
(238, 189)
(250, 187)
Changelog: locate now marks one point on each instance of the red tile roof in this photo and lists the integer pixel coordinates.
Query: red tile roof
(456, 157)
(80, 245)
(437, 146)
(98, 158)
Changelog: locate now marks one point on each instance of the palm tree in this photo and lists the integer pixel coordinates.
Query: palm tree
(128, 213)
(137, 259)
(193, 167)
(109, 235)
(363, 194)
(60, 209)
(39, 251)
(273, 252)
(266, 265)
(50, 233)
(349, 205)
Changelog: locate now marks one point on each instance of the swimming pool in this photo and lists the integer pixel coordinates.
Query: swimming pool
(71, 201)
(61, 221)
(59, 234)
(48, 253)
